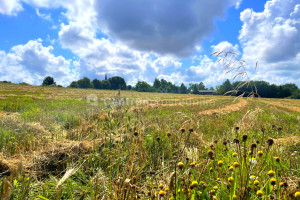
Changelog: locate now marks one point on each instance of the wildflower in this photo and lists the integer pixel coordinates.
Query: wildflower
(236, 164)
(297, 195)
(218, 179)
(158, 139)
(234, 154)
(271, 173)
(162, 193)
(281, 184)
(253, 145)
(252, 177)
(169, 134)
(167, 189)
(237, 128)
(182, 130)
(234, 197)
(191, 130)
(277, 159)
(253, 161)
(135, 133)
(259, 193)
(256, 182)
(193, 164)
(270, 142)
(273, 181)
(211, 154)
(225, 142)
(244, 137)
(230, 179)
(230, 168)
(180, 165)
(215, 187)
(220, 163)
(236, 140)
(194, 184)
(161, 186)
(210, 169)
(260, 153)
(212, 191)
(149, 193)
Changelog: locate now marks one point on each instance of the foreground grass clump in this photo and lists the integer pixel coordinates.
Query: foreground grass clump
(55, 145)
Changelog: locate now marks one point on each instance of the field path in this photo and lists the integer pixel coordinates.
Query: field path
(229, 108)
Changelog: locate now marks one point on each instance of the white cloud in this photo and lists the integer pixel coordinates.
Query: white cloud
(31, 62)
(10, 7)
(169, 27)
(43, 15)
(225, 46)
(272, 38)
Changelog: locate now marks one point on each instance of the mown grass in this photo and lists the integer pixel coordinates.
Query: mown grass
(162, 152)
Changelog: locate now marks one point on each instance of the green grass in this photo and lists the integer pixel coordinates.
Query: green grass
(51, 135)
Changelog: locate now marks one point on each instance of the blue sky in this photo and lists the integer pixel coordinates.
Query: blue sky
(142, 40)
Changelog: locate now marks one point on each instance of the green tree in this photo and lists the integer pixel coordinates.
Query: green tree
(156, 84)
(142, 86)
(48, 81)
(105, 85)
(74, 84)
(117, 82)
(225, 87)
(97, 84)
(85, 83)
(183, 89)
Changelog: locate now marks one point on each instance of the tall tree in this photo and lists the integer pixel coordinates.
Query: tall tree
(85, 83)
(117, 82)
(97, 84)
(48, 81)
(183, 89)
(225, 87)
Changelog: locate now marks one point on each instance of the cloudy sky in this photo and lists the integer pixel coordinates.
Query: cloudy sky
(144, 39)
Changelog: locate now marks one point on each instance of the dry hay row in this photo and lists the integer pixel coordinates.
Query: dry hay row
(52, 159)
(278, 105)
(229, 108)
(158, 106)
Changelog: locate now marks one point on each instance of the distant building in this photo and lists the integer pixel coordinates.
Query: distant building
(207, 92)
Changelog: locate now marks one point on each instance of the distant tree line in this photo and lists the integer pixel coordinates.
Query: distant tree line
(264, 89)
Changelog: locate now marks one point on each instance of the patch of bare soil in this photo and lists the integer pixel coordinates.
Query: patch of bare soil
(229, 108)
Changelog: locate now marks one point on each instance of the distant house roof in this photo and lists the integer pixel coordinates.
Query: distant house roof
(207, 91)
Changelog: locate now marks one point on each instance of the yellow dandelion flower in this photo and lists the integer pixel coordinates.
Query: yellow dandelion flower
(259, 193)
(236, 164)
(220, 163)
(194, 184)
(162, 193)
(271, 173)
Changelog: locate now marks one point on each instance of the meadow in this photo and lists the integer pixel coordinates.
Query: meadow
(62, 143)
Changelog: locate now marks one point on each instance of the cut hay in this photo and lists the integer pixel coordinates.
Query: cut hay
(223, 110)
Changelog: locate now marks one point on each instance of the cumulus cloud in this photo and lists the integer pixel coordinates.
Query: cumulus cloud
(11, 7)
(31, 62)
(166, 27)
(272, 38)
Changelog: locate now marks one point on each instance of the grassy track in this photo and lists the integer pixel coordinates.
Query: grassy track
(59, 143)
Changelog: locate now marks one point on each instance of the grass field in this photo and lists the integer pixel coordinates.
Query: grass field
(59, 143)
